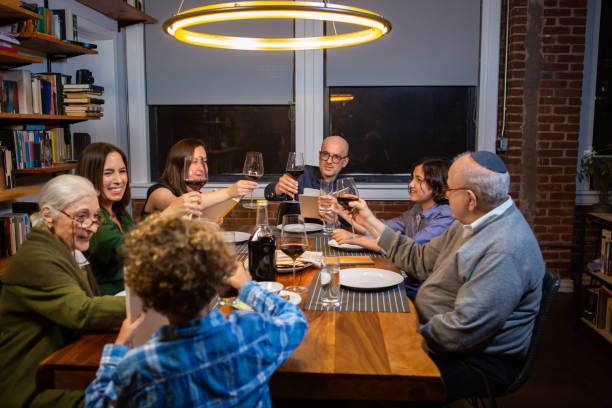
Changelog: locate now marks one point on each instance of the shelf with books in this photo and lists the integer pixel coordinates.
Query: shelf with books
(17, 192)
(9, 13)
(53, 47)
(19, 118)
(4, 264)
(120, 11)
(56, 168)
(10, 60)
(602, 332)
(600, 276)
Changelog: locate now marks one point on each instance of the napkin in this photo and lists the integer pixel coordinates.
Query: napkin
(309, 256)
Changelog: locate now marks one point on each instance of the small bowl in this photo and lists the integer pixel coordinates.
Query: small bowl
(273, 287)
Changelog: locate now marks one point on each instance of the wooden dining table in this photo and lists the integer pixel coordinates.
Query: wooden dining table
(345, 355)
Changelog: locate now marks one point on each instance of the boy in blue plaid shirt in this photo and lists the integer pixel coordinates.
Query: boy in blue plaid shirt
(201, 358)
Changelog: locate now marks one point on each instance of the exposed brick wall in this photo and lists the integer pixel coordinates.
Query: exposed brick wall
(545, 62)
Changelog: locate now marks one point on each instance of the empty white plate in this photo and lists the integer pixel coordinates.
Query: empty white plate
(369, 278)
(351, 247)
(310, 227)
(235, 236)
(293, 297)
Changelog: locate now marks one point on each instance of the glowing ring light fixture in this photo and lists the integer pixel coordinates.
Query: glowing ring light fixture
(341, 97)
(176, 25)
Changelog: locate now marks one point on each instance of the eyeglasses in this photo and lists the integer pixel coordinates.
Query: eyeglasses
(446, 189)
(83, 221)
(335, 158)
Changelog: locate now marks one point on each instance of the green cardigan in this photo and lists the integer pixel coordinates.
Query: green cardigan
(103, 253)
(46, 300)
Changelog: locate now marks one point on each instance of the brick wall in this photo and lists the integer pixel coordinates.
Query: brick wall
(545, 62)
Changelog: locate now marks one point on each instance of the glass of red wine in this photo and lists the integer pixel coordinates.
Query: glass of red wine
(195, 172)
(293, 243)
(347, 192)
(253, 169)
(295, 167)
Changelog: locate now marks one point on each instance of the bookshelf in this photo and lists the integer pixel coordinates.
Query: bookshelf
(120, 11)
(60, 120)
(10, 60)
(603, 220)
(17, 192)
(10, 13)
(56, 168)
(53, 47)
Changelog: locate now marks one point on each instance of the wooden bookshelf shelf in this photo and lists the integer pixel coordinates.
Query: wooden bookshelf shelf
(119, 10)
(602, 332)
(12, 193)
(16, 118)
(4, 264)
(600, 276)
(10, 60)
(56, 168)
(52, 46)
(10, 13)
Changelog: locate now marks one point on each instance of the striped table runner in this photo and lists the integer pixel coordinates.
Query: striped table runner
(390, 300)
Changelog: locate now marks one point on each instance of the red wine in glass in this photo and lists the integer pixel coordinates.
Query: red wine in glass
(293, 250)
(295, 173)
(196, 184)
(345, 199)
(252, 175)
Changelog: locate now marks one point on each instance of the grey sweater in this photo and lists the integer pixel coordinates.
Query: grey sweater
(481, 291)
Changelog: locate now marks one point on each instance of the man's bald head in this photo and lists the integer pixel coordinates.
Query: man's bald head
(335, 143)
(337, 149)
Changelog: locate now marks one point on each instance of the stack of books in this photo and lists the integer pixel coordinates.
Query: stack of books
(83, 100)
(61, 24)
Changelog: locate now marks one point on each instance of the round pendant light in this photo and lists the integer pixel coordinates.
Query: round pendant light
(377, 25)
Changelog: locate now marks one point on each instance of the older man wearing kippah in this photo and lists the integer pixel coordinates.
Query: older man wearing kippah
(482, 278)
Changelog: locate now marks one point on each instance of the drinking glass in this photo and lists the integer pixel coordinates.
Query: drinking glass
(195, 173)
(295, 167)
(253, 169)
(330, 281)
(326, 203)
(293, 243)
(347, 192)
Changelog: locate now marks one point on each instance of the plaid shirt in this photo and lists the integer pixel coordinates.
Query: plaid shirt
(212, 361)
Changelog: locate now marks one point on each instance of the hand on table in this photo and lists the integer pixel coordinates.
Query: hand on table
(342, 236)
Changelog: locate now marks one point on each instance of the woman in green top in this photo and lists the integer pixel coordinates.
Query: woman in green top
(105, 166)
(49, 295)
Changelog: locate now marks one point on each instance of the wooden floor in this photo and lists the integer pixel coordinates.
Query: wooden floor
(574, 369)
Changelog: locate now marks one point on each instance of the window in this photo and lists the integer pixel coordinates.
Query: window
(228, 132)
(390, 128)
(602, 122)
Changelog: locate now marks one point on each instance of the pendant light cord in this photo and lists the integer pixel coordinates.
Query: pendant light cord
(180, 6)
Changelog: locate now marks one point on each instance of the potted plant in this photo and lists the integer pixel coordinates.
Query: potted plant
(597, 169)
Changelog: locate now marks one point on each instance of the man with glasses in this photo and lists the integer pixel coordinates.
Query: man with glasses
(333, 157)
(482, 279)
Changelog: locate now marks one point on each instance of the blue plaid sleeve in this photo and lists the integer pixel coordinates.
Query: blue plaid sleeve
(286, 325)
(101, 392)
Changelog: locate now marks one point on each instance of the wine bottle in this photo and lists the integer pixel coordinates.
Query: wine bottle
(262, 247)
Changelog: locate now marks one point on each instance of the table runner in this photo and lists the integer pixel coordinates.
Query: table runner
(389, 300)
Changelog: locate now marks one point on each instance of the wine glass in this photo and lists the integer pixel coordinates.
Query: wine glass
(295, 167)
(347, 192)
(253, 169)
(293, 243)
(195, 172)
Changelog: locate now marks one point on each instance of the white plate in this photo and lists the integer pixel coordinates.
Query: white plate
(369, 278)
(335, 244)
(235, 236)
(122, 293)
(293, 297)
(310, 227)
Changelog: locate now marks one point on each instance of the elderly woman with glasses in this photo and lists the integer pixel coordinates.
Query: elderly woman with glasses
(49, 295)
